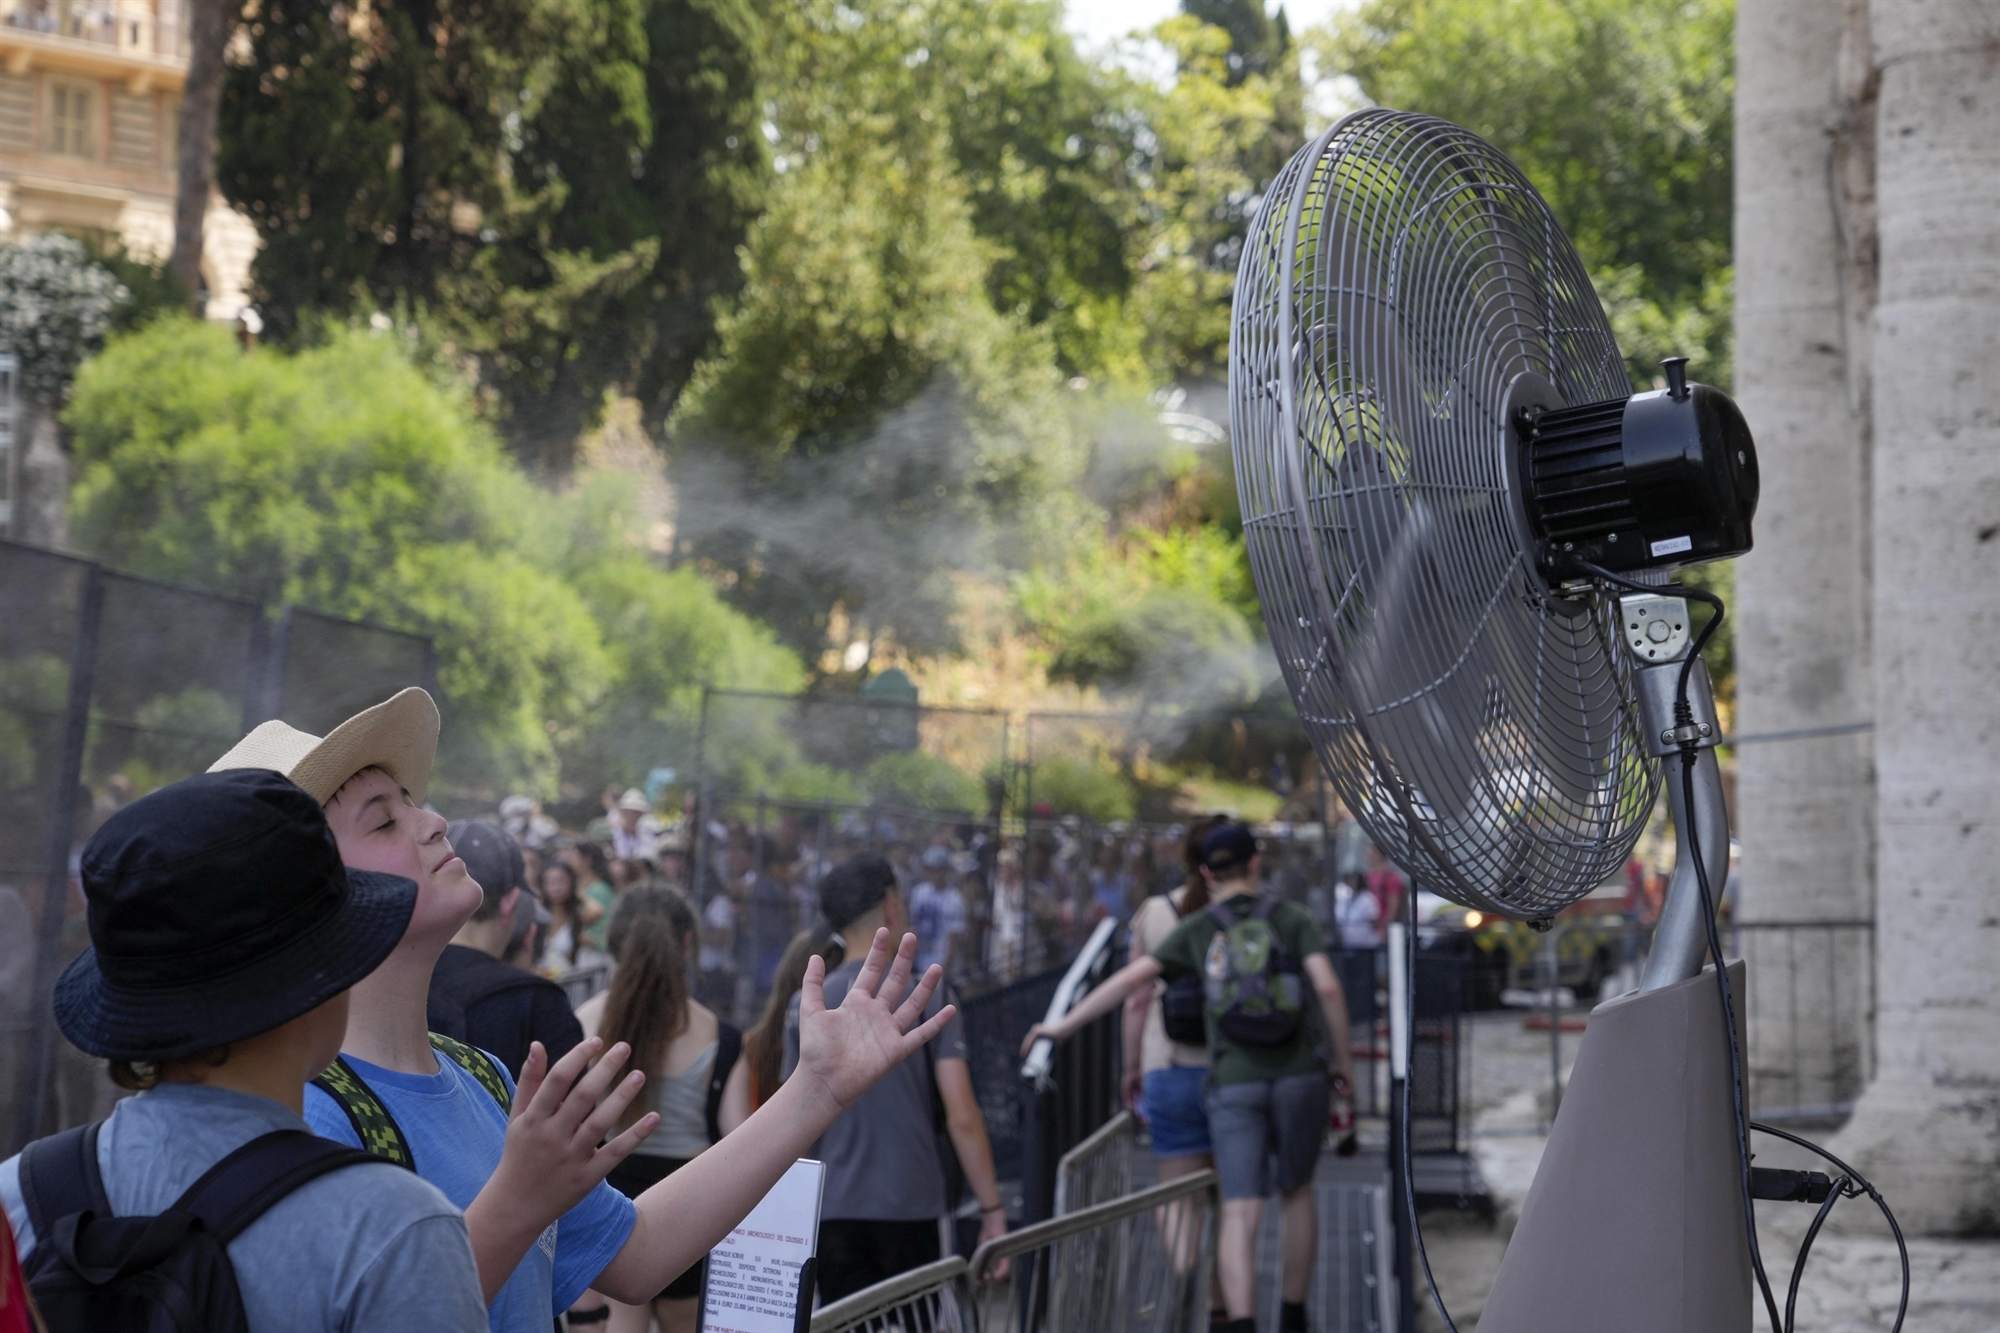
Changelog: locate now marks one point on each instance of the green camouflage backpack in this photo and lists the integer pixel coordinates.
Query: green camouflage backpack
(1254, 994)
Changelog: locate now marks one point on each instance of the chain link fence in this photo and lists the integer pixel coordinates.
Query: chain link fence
(111, 686)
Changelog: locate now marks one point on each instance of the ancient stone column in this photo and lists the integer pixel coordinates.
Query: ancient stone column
(1928, 1129)
(1803, 287)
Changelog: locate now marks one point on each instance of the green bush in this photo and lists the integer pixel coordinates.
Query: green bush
(923, 782)
(1091, 789)
(341, 479)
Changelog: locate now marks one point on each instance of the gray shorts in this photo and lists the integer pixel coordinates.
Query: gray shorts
(1253, 1125)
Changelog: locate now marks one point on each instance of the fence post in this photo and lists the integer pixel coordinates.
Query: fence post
(62, 832)
(275, 663)
(698, 851)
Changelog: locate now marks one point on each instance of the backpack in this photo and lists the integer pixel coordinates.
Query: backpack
(92, 1270)
(374, 1126)
(728, 1046)
(1184, 1008)
(1254, 993)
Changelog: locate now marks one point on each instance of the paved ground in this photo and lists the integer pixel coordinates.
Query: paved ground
(1851, 1285)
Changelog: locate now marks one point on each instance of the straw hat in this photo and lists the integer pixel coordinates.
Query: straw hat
(398, 736)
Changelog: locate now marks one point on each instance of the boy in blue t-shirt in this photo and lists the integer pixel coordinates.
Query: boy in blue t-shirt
(543, 1225)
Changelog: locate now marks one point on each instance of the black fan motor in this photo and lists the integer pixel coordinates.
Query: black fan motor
(1649, 481)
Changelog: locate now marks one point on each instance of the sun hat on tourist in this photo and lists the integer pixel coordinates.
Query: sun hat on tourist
(634, 800)
(398, 736)
(219, 909)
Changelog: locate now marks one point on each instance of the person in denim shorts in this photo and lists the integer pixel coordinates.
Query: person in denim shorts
(1267, 1106)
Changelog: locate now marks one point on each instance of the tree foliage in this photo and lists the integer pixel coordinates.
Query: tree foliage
(1620, 112)
(341, 479)
(56, 304)
(558, 185)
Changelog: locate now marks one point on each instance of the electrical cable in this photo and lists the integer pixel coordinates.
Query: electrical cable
(1409, 1051)
(1690, 751)
(1865, 1187)
(1833, 1196)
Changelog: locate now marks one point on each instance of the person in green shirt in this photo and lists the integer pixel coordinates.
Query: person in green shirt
(1268, 1095)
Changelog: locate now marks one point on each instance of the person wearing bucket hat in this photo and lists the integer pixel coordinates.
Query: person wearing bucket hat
(225, 937)
(531, 1182)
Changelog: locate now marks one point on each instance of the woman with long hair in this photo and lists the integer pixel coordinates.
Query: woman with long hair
(693, 1076)
(764, 1044)
(570, 913)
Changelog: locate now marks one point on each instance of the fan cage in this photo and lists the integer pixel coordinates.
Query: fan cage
(1402, 280)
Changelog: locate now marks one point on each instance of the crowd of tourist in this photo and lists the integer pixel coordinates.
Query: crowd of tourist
(586, 1045)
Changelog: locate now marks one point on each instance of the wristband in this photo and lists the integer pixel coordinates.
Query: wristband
(996, 1208)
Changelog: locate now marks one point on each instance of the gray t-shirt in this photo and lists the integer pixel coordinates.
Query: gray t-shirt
(881, 1156)
(361, 1248)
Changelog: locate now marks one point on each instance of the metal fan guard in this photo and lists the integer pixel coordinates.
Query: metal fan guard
(1402, 282)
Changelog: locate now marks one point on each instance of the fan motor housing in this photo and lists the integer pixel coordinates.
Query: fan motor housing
(1651, 481)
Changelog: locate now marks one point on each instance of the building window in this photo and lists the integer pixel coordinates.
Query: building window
(72, 127)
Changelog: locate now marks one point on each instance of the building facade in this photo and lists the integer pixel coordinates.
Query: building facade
(89, 118)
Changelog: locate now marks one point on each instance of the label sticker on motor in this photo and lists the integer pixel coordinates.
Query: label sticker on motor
(1673, 546)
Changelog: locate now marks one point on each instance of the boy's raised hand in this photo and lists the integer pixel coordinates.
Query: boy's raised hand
(845, 1050)
(555, 1151)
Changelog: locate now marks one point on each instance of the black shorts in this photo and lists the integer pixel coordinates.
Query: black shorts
(633, 1177)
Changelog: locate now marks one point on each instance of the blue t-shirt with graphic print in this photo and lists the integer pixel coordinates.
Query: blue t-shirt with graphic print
(456, 1131)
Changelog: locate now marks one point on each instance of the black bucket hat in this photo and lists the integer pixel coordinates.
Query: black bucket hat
(219, 909)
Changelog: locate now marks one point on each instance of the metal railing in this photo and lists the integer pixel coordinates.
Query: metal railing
(1810, 1013)
(928, 1298)
(1099, 1169)
(1137, 1264)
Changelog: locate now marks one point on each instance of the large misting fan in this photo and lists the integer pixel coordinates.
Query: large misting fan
(1460, 519)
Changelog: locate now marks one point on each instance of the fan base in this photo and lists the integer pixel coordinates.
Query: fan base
(1635, 1220)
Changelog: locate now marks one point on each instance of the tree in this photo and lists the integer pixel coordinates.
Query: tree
(210, 24)
(1619, 111)
(491, 167)
(342, 480)
(55, 307)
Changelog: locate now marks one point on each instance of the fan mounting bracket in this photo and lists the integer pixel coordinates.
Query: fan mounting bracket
(1655, 627)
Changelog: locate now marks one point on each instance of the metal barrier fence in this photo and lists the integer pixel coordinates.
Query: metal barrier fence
(111, 686)
(931, 1299)
(1811, 1014)
(1138, 1264)
(1436, 1040)
(1099, 1169)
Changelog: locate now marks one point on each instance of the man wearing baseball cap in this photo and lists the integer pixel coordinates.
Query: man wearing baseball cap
(528, 1167)
(225, 935)
(1269, 1087)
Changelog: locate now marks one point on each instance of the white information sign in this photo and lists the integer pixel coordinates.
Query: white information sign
(754, 1275)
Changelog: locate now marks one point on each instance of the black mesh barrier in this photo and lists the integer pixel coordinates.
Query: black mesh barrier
(46, 603)
(112, 686)
(327, 670)
(995, 1022)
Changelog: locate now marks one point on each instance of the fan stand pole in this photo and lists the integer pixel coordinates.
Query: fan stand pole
(1634, 1222)
(1399, 1089)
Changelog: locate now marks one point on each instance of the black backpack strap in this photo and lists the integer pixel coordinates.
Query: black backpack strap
(237, 1190)
(728, 1046)
(60, 1178)
(373, 1125)
(476, 1063)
